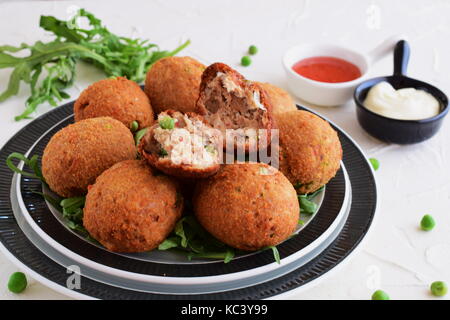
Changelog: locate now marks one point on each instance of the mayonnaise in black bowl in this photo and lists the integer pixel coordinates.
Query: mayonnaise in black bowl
(396, 130)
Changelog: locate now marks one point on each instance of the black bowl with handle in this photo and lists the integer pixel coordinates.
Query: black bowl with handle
(395, 130)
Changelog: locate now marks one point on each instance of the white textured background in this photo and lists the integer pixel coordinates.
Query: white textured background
(413, 180)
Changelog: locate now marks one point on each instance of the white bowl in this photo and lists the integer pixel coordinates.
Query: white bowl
(325, 93)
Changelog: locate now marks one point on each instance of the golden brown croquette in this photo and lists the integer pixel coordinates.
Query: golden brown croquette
(310, 150)
(130, 208)
(248, 206)
(173, 83)
(77, 154)
(280, 99)
(117, 98)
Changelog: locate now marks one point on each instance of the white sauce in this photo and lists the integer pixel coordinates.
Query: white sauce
(403, 104)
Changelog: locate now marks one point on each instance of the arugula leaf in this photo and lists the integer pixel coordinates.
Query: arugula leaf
(32, 163)
(58, 60)
(226, 256)
(169, 243)
(306, 205)
(50, 67)
(276, 254)
(139, 135)
(315, 193)
(59, 28)
(71, 208)
(190, 238)
(129, 57)
(179, 231)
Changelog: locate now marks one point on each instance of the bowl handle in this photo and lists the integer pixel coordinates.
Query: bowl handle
(383, 48)
(401, 58)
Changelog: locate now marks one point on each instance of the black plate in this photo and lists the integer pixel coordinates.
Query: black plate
(360, 217)
(39, 211)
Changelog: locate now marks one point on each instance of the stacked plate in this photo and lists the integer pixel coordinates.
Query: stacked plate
(35, 236)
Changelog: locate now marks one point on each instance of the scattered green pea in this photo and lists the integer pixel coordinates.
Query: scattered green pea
(375, 163)
(134, 126)
(439, 288)
(167, 123)
(380, 295)
(427, 223)
(246, 61)
(252, 50)
(17, 282)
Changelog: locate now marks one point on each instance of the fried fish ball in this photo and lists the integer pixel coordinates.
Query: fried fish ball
(173, 83)
(131, 208)
(310, 150)
(280, 99)
(248, 206)
(117, 98)
(77, 154)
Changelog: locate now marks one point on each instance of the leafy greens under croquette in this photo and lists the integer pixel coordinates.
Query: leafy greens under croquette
(188, 237)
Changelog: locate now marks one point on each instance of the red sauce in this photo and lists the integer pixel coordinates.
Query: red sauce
(327, 69)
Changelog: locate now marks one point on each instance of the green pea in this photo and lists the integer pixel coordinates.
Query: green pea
(439, 288)
(167, 123)
(134, 126)
(246, 61)
(17, 282)
(163, 152)
(380, 295)
(375, 163)
(427, 223)
(252, 50)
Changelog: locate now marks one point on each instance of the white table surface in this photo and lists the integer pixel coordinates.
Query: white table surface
(413, 180)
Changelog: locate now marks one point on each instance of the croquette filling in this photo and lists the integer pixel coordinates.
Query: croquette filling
(229, 106)
(188, 141)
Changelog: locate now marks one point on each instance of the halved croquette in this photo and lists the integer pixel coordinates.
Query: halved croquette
(235, 106)
(182, 145)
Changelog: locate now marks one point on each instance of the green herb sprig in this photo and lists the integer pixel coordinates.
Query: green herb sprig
(190, 238)
(31, 163)
(307, 206)
(71, 208)
(49, 68)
